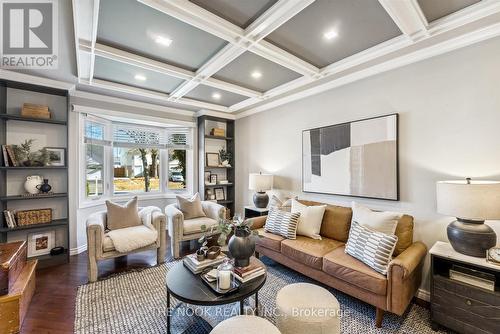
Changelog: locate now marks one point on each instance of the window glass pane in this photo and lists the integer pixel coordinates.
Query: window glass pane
(136, 170)
(94, 170)
(176, 169)
(94, 130)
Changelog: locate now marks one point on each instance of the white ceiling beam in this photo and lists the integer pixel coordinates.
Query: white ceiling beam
(95, 19)
(408, 16)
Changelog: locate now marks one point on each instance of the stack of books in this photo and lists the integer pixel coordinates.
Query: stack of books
(9, 158)
(10, 219)
(192, 263)
(253, 270)
(473, 277)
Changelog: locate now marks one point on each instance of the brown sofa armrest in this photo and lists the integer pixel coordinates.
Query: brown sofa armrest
(404, 277)
(257, 222)
(409, 259)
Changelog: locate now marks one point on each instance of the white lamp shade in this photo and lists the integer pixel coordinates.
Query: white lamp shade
(479, 200)
(260, 182)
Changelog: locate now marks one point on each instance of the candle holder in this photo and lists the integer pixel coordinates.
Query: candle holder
(225, 275)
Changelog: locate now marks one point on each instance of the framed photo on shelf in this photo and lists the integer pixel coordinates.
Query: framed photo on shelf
(57, 156)
(213, 178)
(41, 243)
(207, 177)
(213, 159)
(219, 194)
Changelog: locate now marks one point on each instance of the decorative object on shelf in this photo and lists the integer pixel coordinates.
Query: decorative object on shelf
(472, 202)
(213, 252)
(23, 153)
(31, 110)
(217, 132)
(9, 157)
(207, 177)
(32, 217)
(493, 255)
(40, 243)
(57, 156)
(45, 187)
(241, 245)
(224, 182)
(213, 178)
(225, 157)
(10, 219)
(201, 253)
(213, 160)
(220, 194)
(224, 227)
(225, 275)
(57, 251)
(50, 193)
(342, 159)
(31, 184)
(260, 183)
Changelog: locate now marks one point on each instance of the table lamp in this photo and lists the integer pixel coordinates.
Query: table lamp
(260, 183)
(472, 202)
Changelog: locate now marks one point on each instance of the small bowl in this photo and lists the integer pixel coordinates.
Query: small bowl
(213, 252)
(200, 256)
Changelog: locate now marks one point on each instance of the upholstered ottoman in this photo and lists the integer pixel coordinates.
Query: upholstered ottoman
(307, 308)
(245, 324)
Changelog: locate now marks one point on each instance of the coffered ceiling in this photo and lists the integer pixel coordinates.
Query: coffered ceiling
(239, 56)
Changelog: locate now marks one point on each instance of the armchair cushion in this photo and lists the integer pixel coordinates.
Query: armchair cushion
(193, 226)
(122, 216)
(190, 207)
(131, 238)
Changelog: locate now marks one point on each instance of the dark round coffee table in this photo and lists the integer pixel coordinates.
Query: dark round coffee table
(189, 288)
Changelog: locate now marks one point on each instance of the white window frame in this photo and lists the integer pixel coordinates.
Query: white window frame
(108, 186)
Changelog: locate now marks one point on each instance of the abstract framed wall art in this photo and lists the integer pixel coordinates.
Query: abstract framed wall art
(358, 158)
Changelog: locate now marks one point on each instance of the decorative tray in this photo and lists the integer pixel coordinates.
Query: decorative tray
(212, 284)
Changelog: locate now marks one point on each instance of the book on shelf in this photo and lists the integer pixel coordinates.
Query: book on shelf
(473, 277)
(9, 219)
(192, 263)
(12, 156)
(5, 156)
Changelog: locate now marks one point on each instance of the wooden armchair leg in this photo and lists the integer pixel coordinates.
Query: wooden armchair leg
(379, 317)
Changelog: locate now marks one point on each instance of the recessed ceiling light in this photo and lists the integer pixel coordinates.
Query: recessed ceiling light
(140, 77)
(256, 74)
(216, 96)
(162, 40)
(330, 34)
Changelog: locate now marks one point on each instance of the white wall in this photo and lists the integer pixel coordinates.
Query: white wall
(449, 109)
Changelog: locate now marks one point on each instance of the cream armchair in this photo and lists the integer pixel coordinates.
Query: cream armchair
(100, 246)
(182, 230)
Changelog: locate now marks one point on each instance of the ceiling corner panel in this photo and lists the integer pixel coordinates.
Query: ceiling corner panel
(209, 94)
(255, 72)
(130, 75)
(239, 12)
(327, 31)
(137, 28)
(434, 9)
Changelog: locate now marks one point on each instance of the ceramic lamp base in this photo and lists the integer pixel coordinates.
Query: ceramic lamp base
(260, 200)
(471, 237)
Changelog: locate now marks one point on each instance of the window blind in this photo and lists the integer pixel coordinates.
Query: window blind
(94, 134)
(125, 135)
(179, 138)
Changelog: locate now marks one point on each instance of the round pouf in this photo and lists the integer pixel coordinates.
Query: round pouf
(307, 308)
(245, 324)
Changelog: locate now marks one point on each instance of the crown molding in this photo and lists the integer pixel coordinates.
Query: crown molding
(35, 80)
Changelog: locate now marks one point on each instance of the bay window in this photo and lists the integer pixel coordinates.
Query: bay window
(123, 158)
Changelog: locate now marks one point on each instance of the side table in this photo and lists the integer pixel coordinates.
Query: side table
(252, 211)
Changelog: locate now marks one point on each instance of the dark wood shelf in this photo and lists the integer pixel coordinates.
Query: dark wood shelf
(218, 137)
(31, 119)
(221, 167)
(21, 197)
(33, 167)
(224, 202)
(219, 185)
(55, 222)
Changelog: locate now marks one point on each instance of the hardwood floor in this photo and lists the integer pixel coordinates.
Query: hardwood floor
(52, 310)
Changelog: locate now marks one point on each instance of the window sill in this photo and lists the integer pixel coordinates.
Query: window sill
(89, 203)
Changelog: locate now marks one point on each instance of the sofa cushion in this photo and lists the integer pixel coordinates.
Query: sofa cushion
(345, 267)
(309, 251)
(382, 221)
(282, 223)
(107, 244)
(119, 216)
(336, 221)
(404, 232)
(192, 226)
(269, 240)
(190, 207)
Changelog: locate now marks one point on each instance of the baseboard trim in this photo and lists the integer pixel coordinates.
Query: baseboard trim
(78, 250)
(424, 295)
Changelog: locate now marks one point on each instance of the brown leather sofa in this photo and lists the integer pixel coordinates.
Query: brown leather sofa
(325, 261)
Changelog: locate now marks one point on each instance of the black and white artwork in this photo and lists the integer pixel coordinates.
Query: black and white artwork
(357, 158)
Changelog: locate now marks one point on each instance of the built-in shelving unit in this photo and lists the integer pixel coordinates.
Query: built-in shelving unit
(14, 128)
(208, 143)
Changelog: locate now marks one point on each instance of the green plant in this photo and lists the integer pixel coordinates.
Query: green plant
(23, 152)
(225, 155)
(224, 227)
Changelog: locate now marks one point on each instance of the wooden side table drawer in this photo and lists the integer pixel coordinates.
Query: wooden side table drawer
(465, 308)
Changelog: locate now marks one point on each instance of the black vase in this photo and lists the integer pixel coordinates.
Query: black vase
(45, 187)
(241, 246)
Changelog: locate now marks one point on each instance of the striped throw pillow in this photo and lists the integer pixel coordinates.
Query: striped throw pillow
(371, 247)
(282, 223)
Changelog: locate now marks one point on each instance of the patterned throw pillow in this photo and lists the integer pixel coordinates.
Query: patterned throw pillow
(282, 223)
(371, 247)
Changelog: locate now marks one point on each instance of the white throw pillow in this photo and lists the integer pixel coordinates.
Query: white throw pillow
(383, 221)
(310, 219)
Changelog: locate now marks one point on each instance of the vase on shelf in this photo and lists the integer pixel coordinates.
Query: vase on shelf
(31, 184)
(45, 187)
